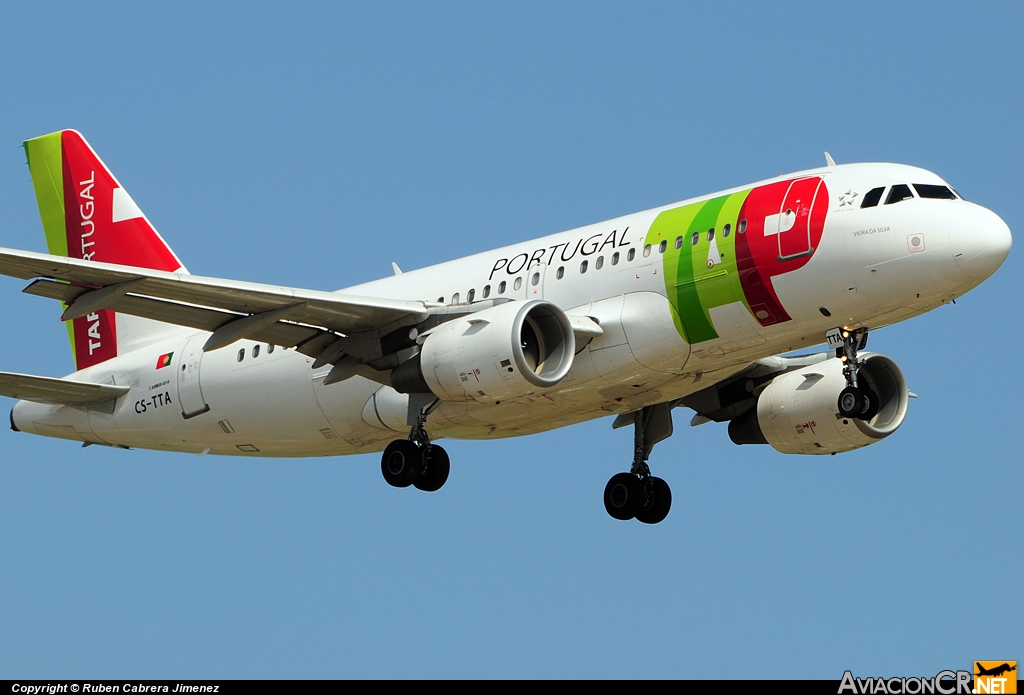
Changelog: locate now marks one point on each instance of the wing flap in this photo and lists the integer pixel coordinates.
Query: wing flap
(44, 389)
(51, 289)
(330, 310)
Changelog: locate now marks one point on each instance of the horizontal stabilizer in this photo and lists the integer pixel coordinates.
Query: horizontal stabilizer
(44, 389)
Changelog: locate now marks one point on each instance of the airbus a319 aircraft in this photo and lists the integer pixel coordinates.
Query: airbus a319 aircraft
(690, 304)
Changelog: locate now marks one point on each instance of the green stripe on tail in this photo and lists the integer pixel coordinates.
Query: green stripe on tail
(46, 165)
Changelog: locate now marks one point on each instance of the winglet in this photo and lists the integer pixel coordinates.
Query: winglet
(398, 271)
(829, 161)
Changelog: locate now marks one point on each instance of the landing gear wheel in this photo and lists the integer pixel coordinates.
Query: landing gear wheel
(401, 463)
(851, 402)
(623, 496)
(435, 471)
(657, 504)
(869, 407)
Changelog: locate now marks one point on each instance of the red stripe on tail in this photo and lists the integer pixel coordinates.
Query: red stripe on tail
(104, 224)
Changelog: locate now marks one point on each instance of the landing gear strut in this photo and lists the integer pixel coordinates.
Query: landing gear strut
(638, 494)
(856, 400)
(415, 461)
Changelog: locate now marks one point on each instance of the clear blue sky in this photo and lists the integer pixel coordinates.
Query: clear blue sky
(312, 146)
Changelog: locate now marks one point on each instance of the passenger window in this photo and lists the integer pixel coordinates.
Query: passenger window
(270, 349)
(455, 298)
(518, 283)
(662, 246)
(440, 300)
(561, 272)
(615, 258)
(694, 238)
(898, 194)
(501, 287)
(711, 234)
(631, 255)
(928, 190)
(679, 242)
(487, 291)
(241, 354)
(535, 279)
(647, 251)
(255, 351)
(470, 295)
(725, 230)
(599, 263)
(742, 227)
(872, 197)
(583, 267)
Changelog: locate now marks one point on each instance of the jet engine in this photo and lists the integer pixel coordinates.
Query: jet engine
(798, 412)
(510, 350)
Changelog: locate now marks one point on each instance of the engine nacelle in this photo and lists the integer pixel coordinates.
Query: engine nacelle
(510, 350)
(798, 412)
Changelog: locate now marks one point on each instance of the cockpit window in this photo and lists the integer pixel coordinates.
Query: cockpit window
(928, 190)
(898, 194)
(872, 197)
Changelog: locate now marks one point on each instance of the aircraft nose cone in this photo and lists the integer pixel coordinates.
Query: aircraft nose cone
(979, 240)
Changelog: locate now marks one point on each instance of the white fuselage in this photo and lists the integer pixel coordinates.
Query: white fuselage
(872, 267)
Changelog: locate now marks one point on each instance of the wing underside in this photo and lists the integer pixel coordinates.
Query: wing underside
(285, 316)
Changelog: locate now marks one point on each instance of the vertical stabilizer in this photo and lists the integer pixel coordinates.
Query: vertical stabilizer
(87, 214)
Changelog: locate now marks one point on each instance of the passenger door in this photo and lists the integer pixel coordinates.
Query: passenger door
(793, 223)
(190, 392)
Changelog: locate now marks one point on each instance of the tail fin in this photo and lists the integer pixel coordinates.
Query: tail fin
(87, 214)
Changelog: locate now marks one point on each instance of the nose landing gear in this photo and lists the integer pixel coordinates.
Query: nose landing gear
(415, 461)
(638, 494)
(855, 401)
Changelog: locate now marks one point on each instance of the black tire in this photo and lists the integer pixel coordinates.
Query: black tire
(401, 463)
(657, 505)
(851, 402)
(869, 408)
(435, 471)
(623, 496)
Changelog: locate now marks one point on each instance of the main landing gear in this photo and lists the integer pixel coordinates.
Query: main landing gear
(857, 400)
(638, 494)
(415, 461)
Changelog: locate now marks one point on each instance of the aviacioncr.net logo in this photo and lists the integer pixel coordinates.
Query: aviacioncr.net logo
(995, 677)
(943, 683)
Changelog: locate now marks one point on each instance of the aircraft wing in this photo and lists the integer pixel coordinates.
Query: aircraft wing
(43, 389)
(284, 316)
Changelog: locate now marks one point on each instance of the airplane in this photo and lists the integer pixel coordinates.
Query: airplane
(995, 671)
(697, 304)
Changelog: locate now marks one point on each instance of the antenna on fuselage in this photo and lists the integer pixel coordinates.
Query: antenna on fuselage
(828, 160)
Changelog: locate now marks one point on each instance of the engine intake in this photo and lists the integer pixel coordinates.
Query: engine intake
(798, 412)
(510, 350)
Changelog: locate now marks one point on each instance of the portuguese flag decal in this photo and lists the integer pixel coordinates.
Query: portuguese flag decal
(164, 360)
